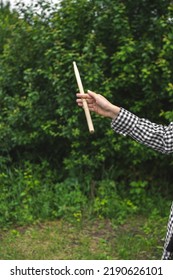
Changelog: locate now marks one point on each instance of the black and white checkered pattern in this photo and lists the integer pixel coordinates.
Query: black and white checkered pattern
(168, 246)
(156, 136)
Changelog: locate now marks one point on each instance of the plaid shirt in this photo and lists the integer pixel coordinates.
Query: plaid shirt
(156, 136)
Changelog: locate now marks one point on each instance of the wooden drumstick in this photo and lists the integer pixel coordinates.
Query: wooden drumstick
(85, 105)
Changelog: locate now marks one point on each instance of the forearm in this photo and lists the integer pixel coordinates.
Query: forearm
(114, 111)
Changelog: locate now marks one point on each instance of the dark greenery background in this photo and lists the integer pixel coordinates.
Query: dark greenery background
(50, 166)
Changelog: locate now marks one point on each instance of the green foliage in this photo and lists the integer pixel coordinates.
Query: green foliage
(109, 203)
(123, 50)
(30, 193)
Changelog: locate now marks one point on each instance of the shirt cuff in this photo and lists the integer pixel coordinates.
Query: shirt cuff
(125, 122)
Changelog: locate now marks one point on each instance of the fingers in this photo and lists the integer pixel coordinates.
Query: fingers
(81, 96)
(90, 97)
(80, 101)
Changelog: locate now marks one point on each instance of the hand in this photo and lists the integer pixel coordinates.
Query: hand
(98, 104)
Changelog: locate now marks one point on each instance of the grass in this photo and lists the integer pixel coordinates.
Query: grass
(137, 238)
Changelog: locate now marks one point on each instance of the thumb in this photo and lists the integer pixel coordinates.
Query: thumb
(92, 94)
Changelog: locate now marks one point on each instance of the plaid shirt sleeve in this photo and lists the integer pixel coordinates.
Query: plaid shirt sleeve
(156, 136)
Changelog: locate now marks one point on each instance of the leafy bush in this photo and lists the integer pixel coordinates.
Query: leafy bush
(123, 50)
(109, 203)
(33, 193)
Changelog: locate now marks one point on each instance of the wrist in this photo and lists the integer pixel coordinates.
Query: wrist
(114, 111)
